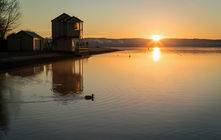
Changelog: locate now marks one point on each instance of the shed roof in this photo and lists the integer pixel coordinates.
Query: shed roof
(11, 35)
(76, 19)
(30, 33)
(65, 17)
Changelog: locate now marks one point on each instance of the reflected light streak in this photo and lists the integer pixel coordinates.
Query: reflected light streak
(156, 54)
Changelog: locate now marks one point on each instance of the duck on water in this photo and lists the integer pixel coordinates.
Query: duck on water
(89, 97)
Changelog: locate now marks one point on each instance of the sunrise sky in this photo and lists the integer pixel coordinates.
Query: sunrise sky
(128, 18)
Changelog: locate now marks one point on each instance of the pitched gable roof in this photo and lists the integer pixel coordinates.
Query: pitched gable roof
(30, 33)
(65, 17)
(11, 35)
(76, 19)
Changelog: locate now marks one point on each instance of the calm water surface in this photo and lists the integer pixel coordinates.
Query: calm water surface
(139, 94)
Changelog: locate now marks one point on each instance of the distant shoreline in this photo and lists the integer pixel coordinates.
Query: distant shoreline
(10, 60)
(134, 42)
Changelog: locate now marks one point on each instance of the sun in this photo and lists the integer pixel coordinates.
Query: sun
(156, 38)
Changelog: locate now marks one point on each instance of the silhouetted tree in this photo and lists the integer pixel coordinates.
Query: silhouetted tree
(9, 16)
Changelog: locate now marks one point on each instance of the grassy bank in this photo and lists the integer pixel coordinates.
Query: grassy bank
(9, 60)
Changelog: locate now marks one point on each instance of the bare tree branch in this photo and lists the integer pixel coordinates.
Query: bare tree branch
(9, 16)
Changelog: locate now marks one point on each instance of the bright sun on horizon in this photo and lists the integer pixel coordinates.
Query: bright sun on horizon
(156, 38)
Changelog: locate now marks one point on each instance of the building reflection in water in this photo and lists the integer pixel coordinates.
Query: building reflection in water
(12, 94)
(29, 71)
(67, 77)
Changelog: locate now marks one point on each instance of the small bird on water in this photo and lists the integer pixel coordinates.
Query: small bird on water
(89, 97)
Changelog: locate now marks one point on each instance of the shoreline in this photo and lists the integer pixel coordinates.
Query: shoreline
(11, 60)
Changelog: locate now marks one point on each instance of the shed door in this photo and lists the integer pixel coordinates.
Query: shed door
(37, 44)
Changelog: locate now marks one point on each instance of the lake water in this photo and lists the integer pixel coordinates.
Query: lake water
(165, 93)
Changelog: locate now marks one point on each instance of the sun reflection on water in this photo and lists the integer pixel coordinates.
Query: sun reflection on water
(156, 54)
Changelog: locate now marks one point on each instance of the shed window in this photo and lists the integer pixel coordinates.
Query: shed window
(76, 26)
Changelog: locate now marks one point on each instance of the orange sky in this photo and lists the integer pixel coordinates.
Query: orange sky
(128, 18)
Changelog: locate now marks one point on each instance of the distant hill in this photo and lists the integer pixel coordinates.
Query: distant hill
(137, 42)
(192, 42)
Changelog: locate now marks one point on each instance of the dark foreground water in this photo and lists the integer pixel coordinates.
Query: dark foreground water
(168, 94)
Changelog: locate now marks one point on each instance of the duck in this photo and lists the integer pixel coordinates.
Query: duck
(89, 97)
